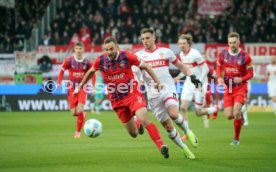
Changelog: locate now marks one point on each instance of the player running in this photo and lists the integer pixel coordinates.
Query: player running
(237, 67)
(193, 59)
(271, 78)
(164, 104)
(123, 90)
(77, 66)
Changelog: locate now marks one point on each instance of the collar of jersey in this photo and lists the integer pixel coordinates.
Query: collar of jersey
(151, 51)
(118, 53)
(235, 53)
(78, 59)
(187, 52)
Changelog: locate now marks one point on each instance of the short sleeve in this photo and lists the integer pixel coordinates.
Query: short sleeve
(268, 69)
(133, 59)
(219, 61)
(171, 56)
(198, 58)
(65, 64)
(248, 61)
(96, 64)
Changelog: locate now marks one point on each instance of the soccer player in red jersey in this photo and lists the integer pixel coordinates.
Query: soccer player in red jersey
(77, 67)
(237, 67)
(123, 90)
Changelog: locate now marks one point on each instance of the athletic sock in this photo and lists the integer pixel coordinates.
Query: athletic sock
(237, 128)
(80, 121)
(183, 124)
(155, 135)
(174, 136)
(211, 110)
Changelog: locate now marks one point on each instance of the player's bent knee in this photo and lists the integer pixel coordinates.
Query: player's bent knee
(133, 134)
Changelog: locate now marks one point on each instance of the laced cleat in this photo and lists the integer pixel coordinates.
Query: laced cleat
(141, 129)
(165, 151)
(235, 143)
(188, 153)
(77, 135)
(192, 138)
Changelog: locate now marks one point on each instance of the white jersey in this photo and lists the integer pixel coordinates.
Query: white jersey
(159, 61)
(271, 70)
(194, 60)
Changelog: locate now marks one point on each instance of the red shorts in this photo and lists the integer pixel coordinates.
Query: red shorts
(126, 108)
(238, 94)
(208, 97)
(77, 98)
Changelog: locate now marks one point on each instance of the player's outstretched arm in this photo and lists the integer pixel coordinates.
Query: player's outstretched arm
(183, 68)
(60, 76)
(85, 79)
(149, 70)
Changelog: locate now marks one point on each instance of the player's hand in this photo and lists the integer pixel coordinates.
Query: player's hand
(57, 86)
(159, 86)
(237, 80)
(77, 90)
(195, 81)
(220, 81)
(176, 79)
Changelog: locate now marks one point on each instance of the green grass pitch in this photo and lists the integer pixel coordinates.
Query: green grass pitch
(43, 141)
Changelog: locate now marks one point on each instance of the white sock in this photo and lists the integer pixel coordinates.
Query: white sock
(183, 124)
(211, 110)
(175, 137)
(206, 121)
(244, 115)
(274, 107)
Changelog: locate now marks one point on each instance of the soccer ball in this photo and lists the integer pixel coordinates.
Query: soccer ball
(92, 128)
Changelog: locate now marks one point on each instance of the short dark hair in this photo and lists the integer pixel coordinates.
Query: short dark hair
(110, 39)
(234, 34)
(188, 37)
(79, 44)
(147, 30)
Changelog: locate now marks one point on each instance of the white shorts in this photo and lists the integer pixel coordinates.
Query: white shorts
(271, 89)
(190, 93)
(160, 104)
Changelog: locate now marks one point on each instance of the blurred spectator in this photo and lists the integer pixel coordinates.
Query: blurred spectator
(46, 40)
(45, 64)
(255, 21)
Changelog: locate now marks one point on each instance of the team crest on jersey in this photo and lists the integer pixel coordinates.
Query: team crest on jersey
(144, 57)
(161, 55)
(122, 64)
(239, 62)
(84, 67)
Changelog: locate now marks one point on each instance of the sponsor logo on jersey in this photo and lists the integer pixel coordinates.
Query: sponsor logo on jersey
(116, 76)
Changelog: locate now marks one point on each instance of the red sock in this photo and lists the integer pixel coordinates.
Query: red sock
(237, 128)
(154, 134)
(137, 123)
(80, 121)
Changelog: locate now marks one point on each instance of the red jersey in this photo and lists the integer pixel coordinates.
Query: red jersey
(117, 74)
(238, 65)
(76, 68)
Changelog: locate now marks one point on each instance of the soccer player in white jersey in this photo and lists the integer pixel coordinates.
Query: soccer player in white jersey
(271, 81)
(194, 60)
(164, 104)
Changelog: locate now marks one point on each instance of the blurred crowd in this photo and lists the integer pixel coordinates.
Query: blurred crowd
(18, 23)
(91, 21)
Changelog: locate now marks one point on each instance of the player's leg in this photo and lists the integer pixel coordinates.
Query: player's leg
(244, 115)
(199, 97)
(183, 122)
(273, 98)
(175, 137)
(172, 109)
(131, 127)
(152, 130)
(237, 122)
(272, 95)
(73, 102)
